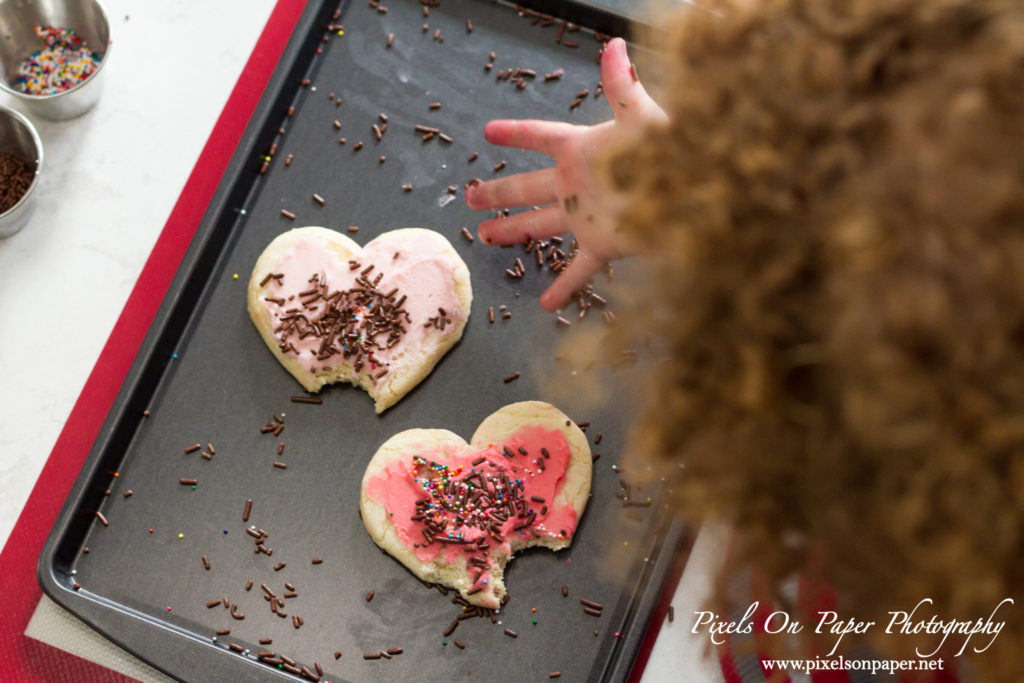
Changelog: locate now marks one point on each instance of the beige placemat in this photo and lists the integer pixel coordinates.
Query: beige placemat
(677, 648)
(54, 625)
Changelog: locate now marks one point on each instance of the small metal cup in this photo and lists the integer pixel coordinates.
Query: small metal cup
(18, 137)
(18, 19)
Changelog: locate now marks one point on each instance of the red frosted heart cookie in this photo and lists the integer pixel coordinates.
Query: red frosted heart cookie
(378, 316)
(454, 513)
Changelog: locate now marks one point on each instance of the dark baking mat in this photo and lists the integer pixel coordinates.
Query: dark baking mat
(204, 377)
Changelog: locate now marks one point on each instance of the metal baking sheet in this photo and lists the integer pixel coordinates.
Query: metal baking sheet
(204, 376)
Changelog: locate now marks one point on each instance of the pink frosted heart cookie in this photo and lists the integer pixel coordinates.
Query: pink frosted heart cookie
(378, 316)
(454, 513)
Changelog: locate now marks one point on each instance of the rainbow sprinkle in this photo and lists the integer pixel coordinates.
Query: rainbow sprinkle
(61, 65)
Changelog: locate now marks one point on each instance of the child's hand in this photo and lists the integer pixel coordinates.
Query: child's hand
(582, 201)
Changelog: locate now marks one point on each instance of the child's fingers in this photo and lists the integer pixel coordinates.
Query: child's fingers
(626, 96)
(522, 189)
(579, 273)
(542, 136)
(524, 226)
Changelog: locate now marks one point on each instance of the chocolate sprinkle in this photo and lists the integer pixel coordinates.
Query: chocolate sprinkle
(354, 324)
(15, 179)
(369, 596)
(510, 378)
(510, 633)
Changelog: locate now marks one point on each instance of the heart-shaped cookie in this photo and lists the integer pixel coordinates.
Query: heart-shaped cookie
(378, 316)
(454, 513)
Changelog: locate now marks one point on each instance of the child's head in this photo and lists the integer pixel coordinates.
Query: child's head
(836, 222)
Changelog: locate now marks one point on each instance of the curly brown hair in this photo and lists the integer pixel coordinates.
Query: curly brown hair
(835, 221)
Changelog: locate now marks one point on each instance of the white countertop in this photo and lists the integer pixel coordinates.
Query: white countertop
(109, 181)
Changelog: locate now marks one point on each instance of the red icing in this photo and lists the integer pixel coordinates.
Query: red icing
(441, 489)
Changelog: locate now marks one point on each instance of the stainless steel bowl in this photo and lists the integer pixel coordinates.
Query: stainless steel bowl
(18, 19)
(18, 137)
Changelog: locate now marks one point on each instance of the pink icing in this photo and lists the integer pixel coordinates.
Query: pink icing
(440, 475)
(425, 276)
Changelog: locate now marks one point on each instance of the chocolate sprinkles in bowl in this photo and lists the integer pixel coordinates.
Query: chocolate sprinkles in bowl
(21, 159)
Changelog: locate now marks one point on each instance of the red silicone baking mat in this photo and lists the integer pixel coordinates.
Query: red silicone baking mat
(24, 659)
